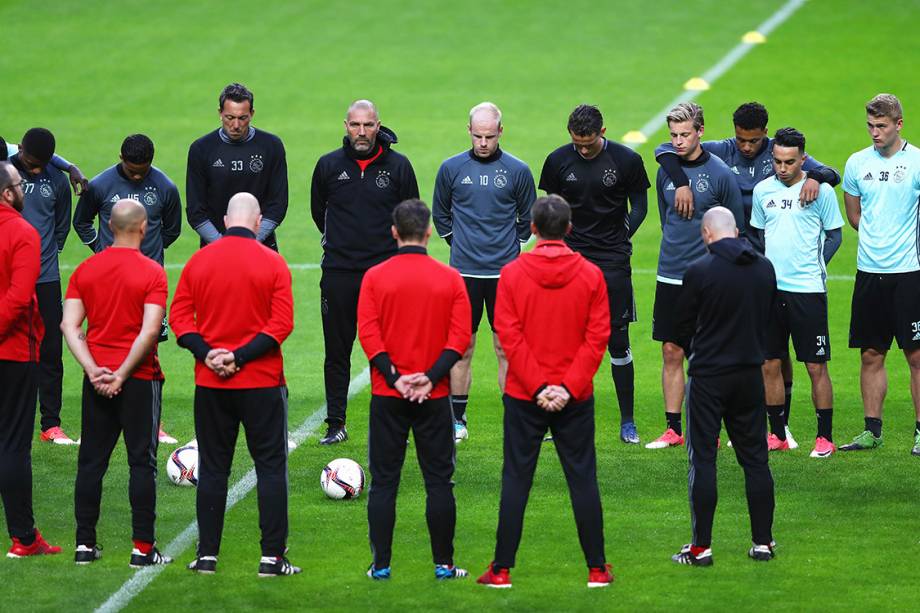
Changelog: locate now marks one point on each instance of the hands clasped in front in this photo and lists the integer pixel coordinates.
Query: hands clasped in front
(106, 382)
(553, 398)
(415, 387)
(222, 362)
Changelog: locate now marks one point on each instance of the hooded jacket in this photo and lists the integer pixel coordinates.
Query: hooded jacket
(21, 328)
(352, 207)
(726, 301)
(553, 321)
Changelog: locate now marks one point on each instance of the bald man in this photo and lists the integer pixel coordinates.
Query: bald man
(724, 307)
(354, 191)
(234, 325)
(121, 293)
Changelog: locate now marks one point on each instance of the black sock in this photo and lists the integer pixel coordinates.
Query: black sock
(624, 382)
(674, 422)
(787, 405)
(825, 423)
(28, 540)
(874, 425)
(777, 424)
(458, 406)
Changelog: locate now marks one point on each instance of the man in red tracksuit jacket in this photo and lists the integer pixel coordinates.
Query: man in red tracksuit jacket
(232, 309)
(553, 320)
(21, 332)
(121, 293)
(414, 324)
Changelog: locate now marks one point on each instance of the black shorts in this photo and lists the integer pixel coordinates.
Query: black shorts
(481, 291)
(620, 298)
(664, 313)
(804, 317)
(885, 306)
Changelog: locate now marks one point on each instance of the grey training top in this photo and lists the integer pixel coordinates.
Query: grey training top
(47, 207)
(482, 207)
(681, 243)
(156, 192)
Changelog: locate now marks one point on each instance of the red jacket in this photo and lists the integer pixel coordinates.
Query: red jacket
(114, 285)
(413, 308)
(21, 328)
(230, 291)
(553, 321)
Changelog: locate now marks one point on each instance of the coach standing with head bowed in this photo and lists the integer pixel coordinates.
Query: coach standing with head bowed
(413, 316)
(21, 333)
(236, 158)
(553, 320)
(122, 296)
(726, 300)
(353, 193)
(234, 324)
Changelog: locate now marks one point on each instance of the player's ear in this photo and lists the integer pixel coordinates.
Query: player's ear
(569, 229)
(603, 130)
(394, 232)
(533, 228)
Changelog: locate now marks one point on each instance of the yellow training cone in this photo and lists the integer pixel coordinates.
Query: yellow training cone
(634, 137)
(754, 38)
(696, 84)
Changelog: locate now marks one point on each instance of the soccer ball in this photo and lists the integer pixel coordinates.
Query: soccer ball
(182, 466)
(342, 478)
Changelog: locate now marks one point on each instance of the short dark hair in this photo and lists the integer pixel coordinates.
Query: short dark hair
(551, 215)
(751, 116)
(411, 218)
(586, 120)
(789, 137)
(39, 143)
(3, 154)
(8, 174)
(137, 149)
(236, 92)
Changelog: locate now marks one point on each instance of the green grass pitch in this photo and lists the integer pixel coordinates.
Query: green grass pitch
(94, 72)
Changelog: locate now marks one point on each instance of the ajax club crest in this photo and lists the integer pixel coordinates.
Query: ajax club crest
(702, 183)
(383, 179)
(501, 178)
(44, 188)
(150, 196)
(610, 177)
(256, 164)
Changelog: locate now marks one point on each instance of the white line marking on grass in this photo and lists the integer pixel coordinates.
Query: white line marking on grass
(142, 578)
(719, 68)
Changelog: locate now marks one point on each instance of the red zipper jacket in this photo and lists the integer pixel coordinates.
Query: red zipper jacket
(553, 321)
(21, 328)
(229, 292)
(413, 308)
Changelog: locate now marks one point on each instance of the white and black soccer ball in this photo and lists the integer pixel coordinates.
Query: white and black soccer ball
(342, 479)
(182, 466)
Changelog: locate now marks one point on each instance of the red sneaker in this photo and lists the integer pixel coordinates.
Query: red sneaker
(823, 448)
(165, 438)
(499, 579)
(600, 577)
(38, 548)
(57, 436)
(670, 438)
(775, 444)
